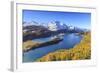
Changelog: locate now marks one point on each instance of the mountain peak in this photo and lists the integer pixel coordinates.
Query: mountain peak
(30, 23)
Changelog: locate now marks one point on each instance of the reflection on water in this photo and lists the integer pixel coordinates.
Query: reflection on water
(69, 40)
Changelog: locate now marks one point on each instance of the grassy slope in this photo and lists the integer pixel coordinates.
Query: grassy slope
(28, 44)
(79, 52)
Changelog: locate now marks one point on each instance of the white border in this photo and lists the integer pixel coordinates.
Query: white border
(17, 37)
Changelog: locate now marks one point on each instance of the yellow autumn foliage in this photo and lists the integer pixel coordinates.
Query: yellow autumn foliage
(81, 51)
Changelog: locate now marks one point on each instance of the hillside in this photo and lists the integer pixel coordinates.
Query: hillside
(81, 51)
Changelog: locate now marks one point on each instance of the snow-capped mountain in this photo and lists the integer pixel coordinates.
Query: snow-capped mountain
(44, 25)
(71, 28)
(30, 23)
(56, 25)
(53, 26)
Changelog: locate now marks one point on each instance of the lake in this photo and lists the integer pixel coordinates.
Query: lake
(69, 41)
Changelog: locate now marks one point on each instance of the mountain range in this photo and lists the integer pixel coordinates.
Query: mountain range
(52, 26)
(32, 30)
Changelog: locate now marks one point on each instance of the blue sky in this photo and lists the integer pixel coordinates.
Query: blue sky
(82, 20)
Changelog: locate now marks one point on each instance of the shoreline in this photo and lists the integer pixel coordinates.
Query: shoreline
(30, 45)
(80, 51)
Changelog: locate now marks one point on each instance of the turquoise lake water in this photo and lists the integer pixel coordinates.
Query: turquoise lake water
(69, 41)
